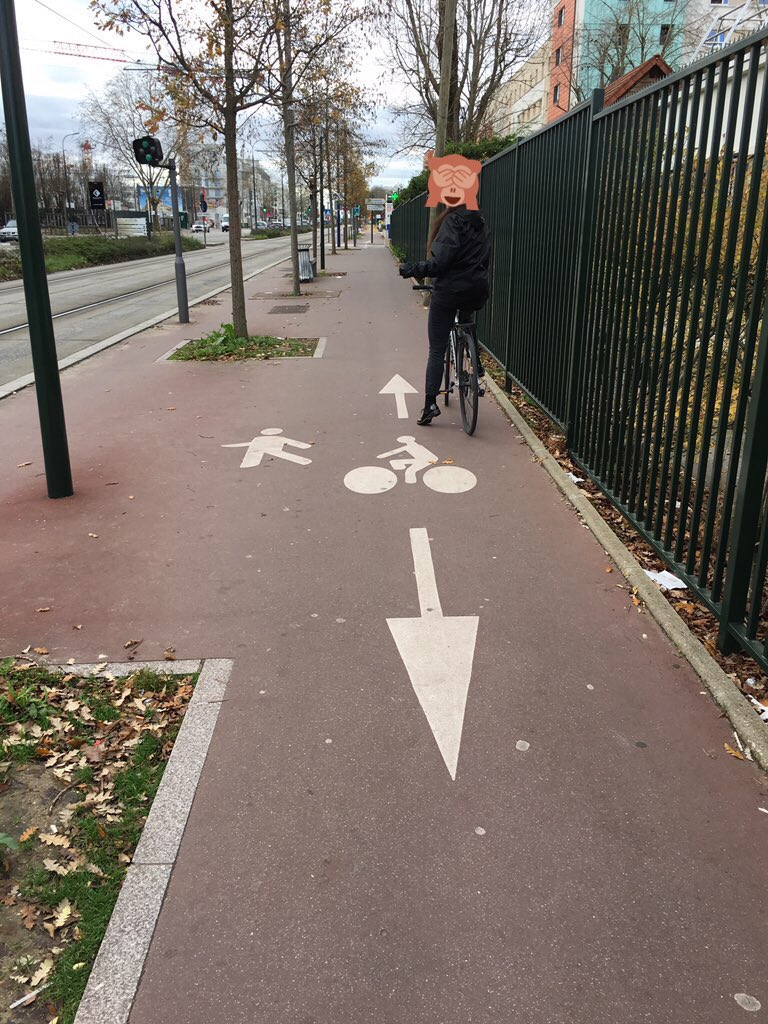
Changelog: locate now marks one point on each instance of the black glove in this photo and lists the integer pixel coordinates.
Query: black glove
(419, 270)
(406, 270)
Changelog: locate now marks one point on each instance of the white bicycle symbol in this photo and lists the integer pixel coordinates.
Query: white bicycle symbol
(377, 479)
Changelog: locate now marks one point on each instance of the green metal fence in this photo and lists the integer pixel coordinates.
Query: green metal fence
(629, 299)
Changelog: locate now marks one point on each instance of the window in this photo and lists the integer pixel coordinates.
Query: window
(556, 96)
(560, 17)
(622, 35)
(664, 34)
(558, 56)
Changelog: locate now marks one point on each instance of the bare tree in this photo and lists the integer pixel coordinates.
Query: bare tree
(213, 58)
(491, 38)
(624, 34)
(129, 106)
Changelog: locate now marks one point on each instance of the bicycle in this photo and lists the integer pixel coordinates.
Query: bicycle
(461, 353)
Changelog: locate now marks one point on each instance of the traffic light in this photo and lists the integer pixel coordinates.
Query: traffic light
(148, 151)
(263, 209)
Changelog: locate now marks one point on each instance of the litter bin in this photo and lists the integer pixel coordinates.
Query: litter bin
(305, 264)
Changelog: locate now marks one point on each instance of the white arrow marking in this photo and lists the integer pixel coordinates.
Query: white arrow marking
(437, 651)
(399, 387)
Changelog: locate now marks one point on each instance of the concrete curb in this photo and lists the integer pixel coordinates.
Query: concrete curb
(77, 357)
(748, 727)
(112, 985)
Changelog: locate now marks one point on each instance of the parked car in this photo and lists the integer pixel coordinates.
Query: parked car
(198, 227)
(261, 225)
(225, 223)
(10, 233)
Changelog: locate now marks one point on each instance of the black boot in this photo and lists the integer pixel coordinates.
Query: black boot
(428, 413)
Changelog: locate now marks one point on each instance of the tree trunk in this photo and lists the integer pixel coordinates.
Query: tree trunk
(446, 63)
(330, 193)
(290, 155)
(239, 319)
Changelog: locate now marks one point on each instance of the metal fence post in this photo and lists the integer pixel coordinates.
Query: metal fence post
(749, 500)
(50, 406)
(588, 202)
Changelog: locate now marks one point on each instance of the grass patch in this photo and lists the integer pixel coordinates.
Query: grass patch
(66, 253)
(225, 346)
(74, 806)
(275, 232)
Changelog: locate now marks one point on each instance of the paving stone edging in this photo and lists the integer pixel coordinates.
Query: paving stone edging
(748, 727)
(112, 985)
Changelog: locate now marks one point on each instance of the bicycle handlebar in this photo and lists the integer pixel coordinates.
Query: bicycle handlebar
(421, 287)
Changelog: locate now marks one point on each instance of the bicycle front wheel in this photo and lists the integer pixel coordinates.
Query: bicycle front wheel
(447, 375)
(468, 386)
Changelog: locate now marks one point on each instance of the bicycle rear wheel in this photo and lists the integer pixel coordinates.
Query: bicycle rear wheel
(447, 374)
(468, 386)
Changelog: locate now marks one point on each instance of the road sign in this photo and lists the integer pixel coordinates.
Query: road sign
(373, 203)
(96, 195)
(399, 387)
(203, 206)
(269, 443)
(437, 651)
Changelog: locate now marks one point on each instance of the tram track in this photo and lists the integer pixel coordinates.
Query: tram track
(130, 294)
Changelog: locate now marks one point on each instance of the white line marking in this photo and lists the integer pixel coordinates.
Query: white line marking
(437, 652)
(320, 350)
(270, 443)
(399, 387)
(424, 570)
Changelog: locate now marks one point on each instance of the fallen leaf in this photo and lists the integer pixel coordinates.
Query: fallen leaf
(43, 609)
(70, 661)
(63, 914)
(42, 972)
(170, 654)
(55, 867)
(40, 650)
(448, 462)
(29, 914)
(21, 465)
(77, 627)
(732, 752)
(132, 643)
(51, 840)
(26, 836)
(93, 535)
(608, 568)
(95, 754)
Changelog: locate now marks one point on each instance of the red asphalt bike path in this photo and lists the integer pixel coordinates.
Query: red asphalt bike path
(332, 871)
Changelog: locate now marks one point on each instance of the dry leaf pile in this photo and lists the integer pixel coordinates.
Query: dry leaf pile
(80, 761)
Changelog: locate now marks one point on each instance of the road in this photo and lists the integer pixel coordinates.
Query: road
(127, 294)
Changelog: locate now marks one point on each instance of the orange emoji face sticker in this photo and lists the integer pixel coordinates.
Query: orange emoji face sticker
(454, 181)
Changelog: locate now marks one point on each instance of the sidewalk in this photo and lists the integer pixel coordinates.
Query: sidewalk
(597, 858)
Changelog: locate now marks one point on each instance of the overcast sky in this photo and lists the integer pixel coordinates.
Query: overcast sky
(56, 84)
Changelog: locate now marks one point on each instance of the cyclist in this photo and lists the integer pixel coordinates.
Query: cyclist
(460, 251)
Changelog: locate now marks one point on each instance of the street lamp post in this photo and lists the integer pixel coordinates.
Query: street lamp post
(69, 135)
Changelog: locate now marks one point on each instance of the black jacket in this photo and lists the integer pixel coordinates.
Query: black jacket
(461, 253)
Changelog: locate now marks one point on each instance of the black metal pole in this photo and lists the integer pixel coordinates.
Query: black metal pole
(322, 211)
(50, 407)
(181, 273)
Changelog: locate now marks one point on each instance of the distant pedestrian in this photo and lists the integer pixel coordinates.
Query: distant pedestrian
(460, 249)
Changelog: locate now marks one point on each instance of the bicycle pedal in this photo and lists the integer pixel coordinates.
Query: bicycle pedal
(480, 390)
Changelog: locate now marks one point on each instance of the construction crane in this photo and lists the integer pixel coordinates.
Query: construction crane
(85, 51)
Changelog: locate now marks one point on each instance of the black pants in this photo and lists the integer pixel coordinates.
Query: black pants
(442, 312)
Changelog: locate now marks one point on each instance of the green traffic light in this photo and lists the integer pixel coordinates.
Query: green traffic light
(148, 158)
(145, 143)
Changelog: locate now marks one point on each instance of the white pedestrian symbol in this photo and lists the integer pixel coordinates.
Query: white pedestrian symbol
(270, 443)
(447, 479)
